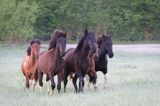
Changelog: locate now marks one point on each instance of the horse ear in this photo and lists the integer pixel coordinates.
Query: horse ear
(57, 33)
(86, 33)
(65, 33)
(31, 42)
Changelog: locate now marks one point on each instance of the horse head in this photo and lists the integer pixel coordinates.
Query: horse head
(89, 40)
(105, 46)
(61, 43)
(35, 47)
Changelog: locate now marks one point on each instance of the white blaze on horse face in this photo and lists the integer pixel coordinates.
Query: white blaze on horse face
(105, 80)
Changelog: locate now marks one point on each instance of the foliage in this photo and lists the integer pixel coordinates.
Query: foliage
(128, 20)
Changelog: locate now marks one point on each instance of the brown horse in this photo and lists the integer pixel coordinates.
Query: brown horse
(29, 63)
(91, 68)
(51, 63)
(76, 60)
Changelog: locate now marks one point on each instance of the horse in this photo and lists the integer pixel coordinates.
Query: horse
(76, 60)
(29, 63)
(51, 63)
(101, 64)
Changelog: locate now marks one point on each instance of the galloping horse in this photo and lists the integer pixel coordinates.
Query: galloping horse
(76, 60)
(105, 47)
(51, 63)
(29, 63)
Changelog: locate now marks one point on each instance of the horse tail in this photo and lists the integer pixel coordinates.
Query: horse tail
(36, 74)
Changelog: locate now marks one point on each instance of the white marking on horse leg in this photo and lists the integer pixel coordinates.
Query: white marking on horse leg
(105, 80)
(48, 87)
(95, 86)
(40, 89)
(34, 84)
(88, 83)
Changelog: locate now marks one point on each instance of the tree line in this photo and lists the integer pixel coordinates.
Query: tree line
(128, 20)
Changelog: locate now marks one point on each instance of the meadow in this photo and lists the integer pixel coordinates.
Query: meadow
(134, 80)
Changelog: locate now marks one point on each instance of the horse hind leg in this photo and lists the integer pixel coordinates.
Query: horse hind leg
(60, 75)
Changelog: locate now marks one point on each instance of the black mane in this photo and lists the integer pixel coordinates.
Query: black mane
(79, 46)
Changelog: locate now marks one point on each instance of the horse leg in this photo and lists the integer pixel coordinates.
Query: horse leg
(59, 81)
(75, 83)
(105, 80)
(52, 83)
(27, 82)
(93, 81)
(66, 74)
(88, 81)
(40, 76)
(48, 83)
(35, 77)
(34, 84)
(81, 80)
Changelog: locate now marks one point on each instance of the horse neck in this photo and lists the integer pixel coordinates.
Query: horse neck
(102, 57)
(84, 52)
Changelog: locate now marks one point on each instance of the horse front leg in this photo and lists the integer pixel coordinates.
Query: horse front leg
(105, 80)
(60, 76)
(75, 83)
(27, 82)
(40, 76)
(52, 83)
(81, 81)
(66, 74)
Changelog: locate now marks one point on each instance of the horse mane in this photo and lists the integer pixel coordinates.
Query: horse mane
(80, 44)
(35, 41)
(55, 36)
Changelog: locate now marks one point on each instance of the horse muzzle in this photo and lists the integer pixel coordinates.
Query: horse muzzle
(111, 55)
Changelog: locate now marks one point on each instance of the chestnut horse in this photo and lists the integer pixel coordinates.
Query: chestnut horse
(51, 63)
(76, 60)
(29, 63)
(105, 48)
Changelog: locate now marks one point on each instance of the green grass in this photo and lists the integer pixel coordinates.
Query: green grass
(133, 81)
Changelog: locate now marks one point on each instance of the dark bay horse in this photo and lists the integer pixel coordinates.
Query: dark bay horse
(76, 60)
(51, 63)
(29, 63)
(104, 49)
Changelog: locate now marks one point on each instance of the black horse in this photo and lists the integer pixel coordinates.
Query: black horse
(76, 60)
(105, 47)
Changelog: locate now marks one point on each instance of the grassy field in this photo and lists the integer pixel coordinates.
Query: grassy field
(134, 80)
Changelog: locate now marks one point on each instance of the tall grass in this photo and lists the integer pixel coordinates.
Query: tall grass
(133, 81)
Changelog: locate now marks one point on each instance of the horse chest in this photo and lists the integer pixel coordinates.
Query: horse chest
(84, 65)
